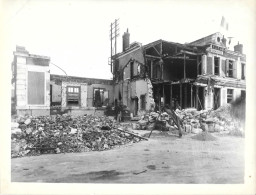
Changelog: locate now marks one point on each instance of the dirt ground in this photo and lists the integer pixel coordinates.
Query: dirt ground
(164, 158)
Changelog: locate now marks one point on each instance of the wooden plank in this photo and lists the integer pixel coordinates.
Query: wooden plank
(181, 95)
(188, 52)
(163, 95)
(119, 129)
(191, 96)
(184, 74)
(171, 96)
(150, 56)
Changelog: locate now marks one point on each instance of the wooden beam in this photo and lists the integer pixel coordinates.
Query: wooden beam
(162, 70)
(181, 95)
(197, 98)
(152, 69)
(185, 95)
(197, 66)
(184, 74)
(156, 51)
(188, 52)
(171, 96)
(119, 129)
(177, 57)
(191, 96)
(150, 56)
(163, 95)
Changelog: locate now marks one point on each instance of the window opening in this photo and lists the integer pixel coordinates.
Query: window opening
(230, 68)
(142, 102)
(73, 96)
(216, 65)
(243, 72)
(229, 95)
(100, 97)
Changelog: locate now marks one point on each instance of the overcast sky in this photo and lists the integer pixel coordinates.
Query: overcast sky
(75, 34)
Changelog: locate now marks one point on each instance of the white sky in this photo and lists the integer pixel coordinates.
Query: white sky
(75, 34)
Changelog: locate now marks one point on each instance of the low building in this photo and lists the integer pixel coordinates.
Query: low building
(204, 74)
(37, 92)
(79, 95)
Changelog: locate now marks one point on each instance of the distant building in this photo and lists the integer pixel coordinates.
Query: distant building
(37, 92)
(203, 74)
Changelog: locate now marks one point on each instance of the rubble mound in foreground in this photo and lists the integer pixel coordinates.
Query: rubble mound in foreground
(204, 136)
(64, 134)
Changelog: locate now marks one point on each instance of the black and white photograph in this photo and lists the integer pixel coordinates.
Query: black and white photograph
(128, 92)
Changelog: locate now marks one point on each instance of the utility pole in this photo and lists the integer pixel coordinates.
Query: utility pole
(114, 33)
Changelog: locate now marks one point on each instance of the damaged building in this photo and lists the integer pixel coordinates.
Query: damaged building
(37, 92)
(204, 74)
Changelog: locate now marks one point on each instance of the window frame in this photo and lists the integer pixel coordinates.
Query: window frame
(69, 92)
(230, 70)
(243, 71)
(216, 66)
(230, 96)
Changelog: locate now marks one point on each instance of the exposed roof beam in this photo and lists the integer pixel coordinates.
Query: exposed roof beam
(189, 52)
(150, 56)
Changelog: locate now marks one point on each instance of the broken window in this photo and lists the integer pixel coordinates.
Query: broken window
(100, 97)
(229, 95)
(230, 68)
(243, 71)
(216, 66)
(73, 96)
(143, 102)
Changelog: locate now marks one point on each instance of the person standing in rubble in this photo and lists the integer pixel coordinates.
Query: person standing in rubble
(118, 109)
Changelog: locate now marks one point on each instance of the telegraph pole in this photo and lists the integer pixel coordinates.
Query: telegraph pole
(114, 33)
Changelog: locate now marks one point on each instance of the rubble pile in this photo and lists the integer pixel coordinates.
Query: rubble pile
(63, 134)
(153, 120)
(194, 121)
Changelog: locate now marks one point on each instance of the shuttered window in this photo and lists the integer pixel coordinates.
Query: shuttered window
(36, 88)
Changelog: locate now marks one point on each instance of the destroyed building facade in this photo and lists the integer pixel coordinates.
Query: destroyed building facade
(37, 92)
(204, 74)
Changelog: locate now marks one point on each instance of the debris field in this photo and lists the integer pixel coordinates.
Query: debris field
(64, 134)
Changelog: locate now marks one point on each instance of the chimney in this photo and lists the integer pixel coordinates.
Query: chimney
(126, 40)
(21, 49)
(238, 48)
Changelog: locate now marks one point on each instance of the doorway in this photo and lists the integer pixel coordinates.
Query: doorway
(216, 98)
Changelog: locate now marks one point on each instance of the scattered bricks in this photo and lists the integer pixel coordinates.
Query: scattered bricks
(62, 134)
(16, 131)
(14, 125)
(27, 122)
(28, 130)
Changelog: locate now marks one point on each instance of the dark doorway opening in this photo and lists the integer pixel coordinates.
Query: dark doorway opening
(216, 98)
